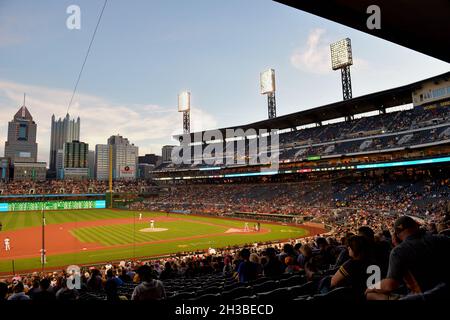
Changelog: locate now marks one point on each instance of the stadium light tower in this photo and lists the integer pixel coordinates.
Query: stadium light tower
(267, 84)
(341, 58)
(184, 105)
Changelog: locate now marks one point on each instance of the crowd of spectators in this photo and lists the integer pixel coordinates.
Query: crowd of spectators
(371, 230)
(376, 124)
(71, 186)
(408, 255)
(328, 201)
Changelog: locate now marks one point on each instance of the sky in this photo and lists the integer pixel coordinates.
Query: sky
(146, 52)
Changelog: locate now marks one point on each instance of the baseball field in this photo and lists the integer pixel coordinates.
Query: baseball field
(102, 235)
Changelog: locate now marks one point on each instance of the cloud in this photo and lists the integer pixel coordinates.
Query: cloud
(314, 56)
(149, 126)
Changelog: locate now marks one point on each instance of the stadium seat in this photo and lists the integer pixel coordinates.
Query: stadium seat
(284, 276)
(302, 289)
(182, 296)
(338, 294)
(210, 290)
(440, 292)
(243, 299)
(233, 286)
(302, 298)
(260, 280)
(207, 298)
(292, 281)
(277, 294)
(237, 292)
(266, 286)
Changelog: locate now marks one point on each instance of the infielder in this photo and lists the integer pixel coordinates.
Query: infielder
(246, 229)
(140, 216)
(7, 244)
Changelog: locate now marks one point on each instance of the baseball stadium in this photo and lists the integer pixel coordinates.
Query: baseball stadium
(89, 236)
(347, 200)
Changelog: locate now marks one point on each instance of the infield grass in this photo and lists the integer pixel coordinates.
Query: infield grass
(126, 241)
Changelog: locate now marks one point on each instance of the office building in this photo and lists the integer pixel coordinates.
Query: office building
(30, 171)
(62, 131)
(124, 158)
(101, 162)
(21, 143)
(75, 161)
(167, 153)
(91, 164)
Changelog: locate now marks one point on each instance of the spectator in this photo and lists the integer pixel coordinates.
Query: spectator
(149, 288)
(35, 287)
(247, 270)
(256, 260)
(94, 283)
(305, 255)
(353, 273)
(3, 291)
(44, 294)
(379, 250)
(291, 267)
(111, 286)
(416, 261)
(18, 292)
(326, 253)
(273, 267)
(168, 272)
(66, 294)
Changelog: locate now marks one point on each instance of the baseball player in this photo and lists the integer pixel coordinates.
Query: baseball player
(7, 242)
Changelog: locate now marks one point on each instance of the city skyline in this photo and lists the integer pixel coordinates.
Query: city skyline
(130, 87)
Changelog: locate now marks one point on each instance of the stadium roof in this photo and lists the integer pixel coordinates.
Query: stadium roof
(370, 102)
(422, 26)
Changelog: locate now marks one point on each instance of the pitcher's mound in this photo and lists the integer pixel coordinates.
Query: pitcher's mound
(153, 230)
(235, 230)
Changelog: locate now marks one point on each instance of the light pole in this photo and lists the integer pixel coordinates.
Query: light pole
(184, 105)
(341, 58)
(267, 86)
(43, 258)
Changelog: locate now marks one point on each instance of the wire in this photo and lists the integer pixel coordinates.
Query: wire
(86, 56)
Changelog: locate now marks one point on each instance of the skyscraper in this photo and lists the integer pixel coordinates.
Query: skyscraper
(166, 152)
(76, 154)
(91, 164)
(62, 131)
(21, 145)
(124, 157)
(101, 162)
(76, 160)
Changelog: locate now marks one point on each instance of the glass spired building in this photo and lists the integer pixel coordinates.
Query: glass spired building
(62, 131)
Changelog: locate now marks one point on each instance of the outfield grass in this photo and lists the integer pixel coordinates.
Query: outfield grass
(131, 242)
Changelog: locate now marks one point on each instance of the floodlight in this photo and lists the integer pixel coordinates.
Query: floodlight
(341, 54)
(184, 101)
(267, 81)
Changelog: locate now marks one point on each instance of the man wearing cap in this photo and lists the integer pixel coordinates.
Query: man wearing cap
(418, 260)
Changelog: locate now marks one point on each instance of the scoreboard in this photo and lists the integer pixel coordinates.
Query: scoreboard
(52, 205)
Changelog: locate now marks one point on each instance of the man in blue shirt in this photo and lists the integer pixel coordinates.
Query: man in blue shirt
(247, 270)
